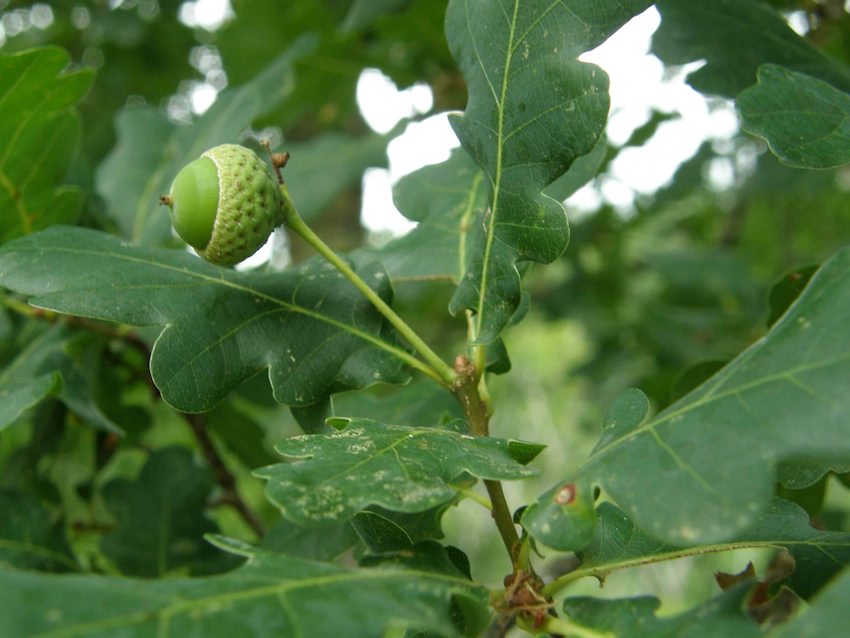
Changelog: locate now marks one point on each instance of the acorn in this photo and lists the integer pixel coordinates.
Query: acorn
(225, 204)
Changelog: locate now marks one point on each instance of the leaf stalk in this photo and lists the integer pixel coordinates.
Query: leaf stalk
(433, 365)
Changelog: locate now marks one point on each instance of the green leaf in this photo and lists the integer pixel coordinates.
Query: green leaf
(408, 45)
(382, 530)
(151, 150)
(419, 403)
(635, 617)
(7, 331)
(811, 497)
(272, 595)
(804, 120)
(703, 469)
(320, 170)
(801, 475)
(30, 537)
(444, 199)
(824, 616)
(222, 326)
(325, 77)
(138, 170)
(16, 397)
(581, 172)
(562, 517)
(160, 516)
(618, 544)
(30, 453)
(363, 13)
(52, 353)
(325, 542)
(693, 377)
(39, 133)
(241, 434)
(734, 38)
(428, 556)
(785, 291)
(369, 463)
(533, 109)
(624, 414)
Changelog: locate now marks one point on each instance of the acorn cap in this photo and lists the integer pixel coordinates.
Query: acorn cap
(225, 204)
(249, 205)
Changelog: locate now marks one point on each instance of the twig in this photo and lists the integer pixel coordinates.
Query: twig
(197, 422)
(223, 476)
(465, 389)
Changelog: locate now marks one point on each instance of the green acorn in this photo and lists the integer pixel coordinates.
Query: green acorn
(225, 204)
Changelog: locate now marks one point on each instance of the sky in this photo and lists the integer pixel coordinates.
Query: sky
(639, 84)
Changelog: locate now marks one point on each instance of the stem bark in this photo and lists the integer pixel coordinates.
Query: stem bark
(223, 476)
(477, 411)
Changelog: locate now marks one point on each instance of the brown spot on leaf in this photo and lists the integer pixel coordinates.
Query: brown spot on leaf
(566, 495)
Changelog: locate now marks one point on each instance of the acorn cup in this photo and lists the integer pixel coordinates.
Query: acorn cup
(225, 204)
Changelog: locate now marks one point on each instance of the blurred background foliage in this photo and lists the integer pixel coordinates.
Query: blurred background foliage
(654, 295)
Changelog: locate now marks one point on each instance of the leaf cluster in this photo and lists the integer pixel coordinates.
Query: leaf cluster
(194, 450)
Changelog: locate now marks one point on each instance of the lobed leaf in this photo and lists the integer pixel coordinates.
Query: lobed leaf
(804, 120)
(618, 544)
(533, 109)
(48, 367)
(244, 436)
(221, 326)
(271, 595)
(160, 516)
(323, 543)
(562, 517)
(428, 556)
(16, 397)
(447, 200)
(786, 290)
(419, 403)
(369, 463)
(363, 13)
(581, 171)
(827, 612)
(636, 618)
(704, 469)
(382, 530)
(734, 38)
(321, 169)
(32, 538)
(39, 133)
(350, 38)
(444, 199)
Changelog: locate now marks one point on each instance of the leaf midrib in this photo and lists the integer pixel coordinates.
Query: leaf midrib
(166, 613)
(785, 375)
(482, 293)
(603, 568)
(206, 279)
(492, 445)
(38, 550)
(466, 221)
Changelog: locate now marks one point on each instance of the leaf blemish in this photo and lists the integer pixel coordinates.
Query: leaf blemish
(566, 495)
